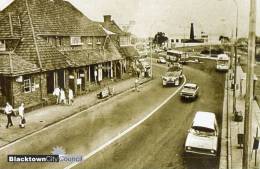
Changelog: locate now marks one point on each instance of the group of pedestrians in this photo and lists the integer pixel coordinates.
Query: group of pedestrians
(9, 112)
(61, 98)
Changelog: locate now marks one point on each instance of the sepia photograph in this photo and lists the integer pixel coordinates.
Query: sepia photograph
(129, 84)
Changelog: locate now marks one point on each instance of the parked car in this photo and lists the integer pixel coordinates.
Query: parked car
(173, 76)
(202, 137)
(161, 60)
(190, 91)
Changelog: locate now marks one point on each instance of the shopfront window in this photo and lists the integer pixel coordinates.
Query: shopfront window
(28, 84)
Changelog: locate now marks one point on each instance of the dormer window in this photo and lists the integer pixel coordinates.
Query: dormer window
(89, 41)
(2, 45)
(98, 41)
(75, 40)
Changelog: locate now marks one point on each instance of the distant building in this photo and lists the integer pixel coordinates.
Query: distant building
(45, 44)
(193, 40)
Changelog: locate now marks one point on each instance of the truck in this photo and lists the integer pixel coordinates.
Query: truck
(177, 56)
(173, 76)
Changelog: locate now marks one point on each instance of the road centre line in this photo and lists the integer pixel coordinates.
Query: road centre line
(56, 123)
(127, 130)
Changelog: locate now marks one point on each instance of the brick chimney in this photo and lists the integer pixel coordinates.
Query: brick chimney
(191, 32)
(107, 19)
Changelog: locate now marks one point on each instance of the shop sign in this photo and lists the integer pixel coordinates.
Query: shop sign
(79, 81)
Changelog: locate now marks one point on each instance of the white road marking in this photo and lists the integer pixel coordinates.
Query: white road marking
(127, 130)
(59, 122)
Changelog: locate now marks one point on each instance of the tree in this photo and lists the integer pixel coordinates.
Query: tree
(224, 39)
(160, 38)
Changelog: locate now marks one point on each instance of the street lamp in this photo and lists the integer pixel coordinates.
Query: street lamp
(235, 61)
(235, 58)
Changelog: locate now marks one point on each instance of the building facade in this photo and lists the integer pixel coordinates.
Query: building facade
(46, 44)
(122, 41)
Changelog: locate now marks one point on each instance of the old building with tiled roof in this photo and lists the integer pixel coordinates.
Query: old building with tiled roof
(122, 40)
(45, 44)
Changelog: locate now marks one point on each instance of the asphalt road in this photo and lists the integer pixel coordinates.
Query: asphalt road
(157, 143)
(92, 128)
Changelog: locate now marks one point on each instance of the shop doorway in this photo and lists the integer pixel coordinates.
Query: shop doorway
(5, 91)
(61, 78)
(50, 82)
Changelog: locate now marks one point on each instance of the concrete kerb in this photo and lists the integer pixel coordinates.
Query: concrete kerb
(80, 109)
(224, 151)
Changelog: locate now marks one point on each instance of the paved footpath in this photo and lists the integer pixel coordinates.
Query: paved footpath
(43, 117)
(231, 157)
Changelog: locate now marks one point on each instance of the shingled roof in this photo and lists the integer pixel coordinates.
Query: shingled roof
(10, 26)
(59, 17)
(128, 52)
(13, 65)
(39, 18)
(93, 56)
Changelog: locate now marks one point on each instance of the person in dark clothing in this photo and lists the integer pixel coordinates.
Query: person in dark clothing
(8, 112)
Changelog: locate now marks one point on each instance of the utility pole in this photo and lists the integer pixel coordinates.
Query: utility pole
(249, 86)
(151, 62)
(234, 48)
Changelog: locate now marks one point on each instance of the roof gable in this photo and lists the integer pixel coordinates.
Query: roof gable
(113, 27)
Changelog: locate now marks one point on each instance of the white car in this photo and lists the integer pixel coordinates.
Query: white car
(202, 137)
(190, 91)
(161, 60)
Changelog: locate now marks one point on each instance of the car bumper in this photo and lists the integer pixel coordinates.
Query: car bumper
(201, 153)
(169, 83)
(188, 97)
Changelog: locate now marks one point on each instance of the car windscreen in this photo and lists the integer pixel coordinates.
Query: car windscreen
(174, 68)
(171, 74)
(203, 131)
(190, 87)
(222, 61)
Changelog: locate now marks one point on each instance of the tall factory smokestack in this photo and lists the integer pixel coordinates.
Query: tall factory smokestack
(191, 32)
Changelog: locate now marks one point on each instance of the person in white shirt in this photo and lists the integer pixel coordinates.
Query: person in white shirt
(21, 115)
(56, 93)
(8, 111)
(70, 97)
(62, 96)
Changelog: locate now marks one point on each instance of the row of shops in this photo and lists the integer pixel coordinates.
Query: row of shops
(36, 89)
(42, 50)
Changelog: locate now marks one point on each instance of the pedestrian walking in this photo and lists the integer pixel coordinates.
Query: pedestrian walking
(138, 73)
(21, 115)
(62, 96)
(70, 96)
(8, 111)
(56, 93)
(136, 85)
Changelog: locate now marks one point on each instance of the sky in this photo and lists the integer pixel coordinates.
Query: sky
(214, 17)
